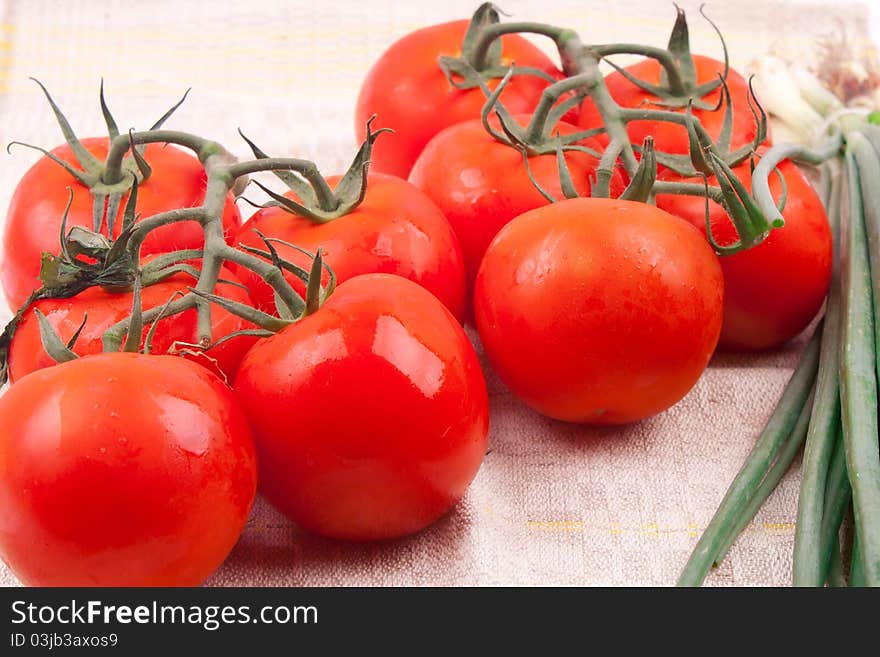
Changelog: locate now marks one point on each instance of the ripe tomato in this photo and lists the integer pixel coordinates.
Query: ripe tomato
(671, 137)
(395, 230)
(121, 469)
(480, 183)
(597, 310)
(771, 291)
(104, 309)
(408, 91)
(371, 415)
(37, 207)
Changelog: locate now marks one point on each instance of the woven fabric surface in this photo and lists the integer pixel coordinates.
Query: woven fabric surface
(553, 504)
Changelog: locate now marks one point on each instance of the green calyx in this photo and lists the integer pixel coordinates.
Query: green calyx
(318, 202)
(751, 224)
(107, 186)
(707, 158)
(641, 186)
(716, 159)
(678, 77)
(288, 313)
(9, 330)
(538, 137)
(478, 62)
(485, 15)
(57, 349)
(694, 163)
(87, 259)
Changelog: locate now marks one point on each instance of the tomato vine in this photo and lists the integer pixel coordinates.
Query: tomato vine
(124, 167)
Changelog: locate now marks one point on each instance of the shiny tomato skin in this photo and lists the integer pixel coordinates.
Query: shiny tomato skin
(371, 415)
(121, 469)
(34, 218)
(480, 183)
(775, 289)
(104, 309)
(599, 311)
(395, 230)
(409, 93)
(671, 137)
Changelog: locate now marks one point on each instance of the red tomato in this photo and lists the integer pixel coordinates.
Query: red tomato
(37, 207)
(671, 137)
(122, 470)
(370, 415)
(395, 230)
(771, 291)
(597, 310)
(104, 309)
(480, 184)
(408, 91)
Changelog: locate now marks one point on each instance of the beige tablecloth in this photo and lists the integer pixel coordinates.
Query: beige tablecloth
(553, 504)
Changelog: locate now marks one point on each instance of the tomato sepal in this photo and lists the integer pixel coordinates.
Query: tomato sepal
(316, 293)
(318, 202)
(107, 181)
(534, 138)
(678, 76)
(52, 343)
(641, 186)
(481, 61)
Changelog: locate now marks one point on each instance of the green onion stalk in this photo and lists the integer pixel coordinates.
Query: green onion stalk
(833, 391)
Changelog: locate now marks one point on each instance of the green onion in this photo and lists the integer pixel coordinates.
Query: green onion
(858, 379)
(857, 568)
(784, 458)
(837, 496)
(773, 438)
(810, 561)
(836, 578)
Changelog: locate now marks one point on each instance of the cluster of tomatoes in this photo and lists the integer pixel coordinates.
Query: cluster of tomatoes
(367, 418)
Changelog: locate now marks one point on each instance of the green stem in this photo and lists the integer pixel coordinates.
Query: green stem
(145, 226)
(120, 146)
(593, 82)
(210, 216)
(212, 261)
(327, 200)
(538, 128)
(113, 336)
(687, 189)
(270, 273)
(676, 85)
(152, 269)
(605, 170)
(480, 52)
(776, 154)
(634, 114)
(221, 177)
